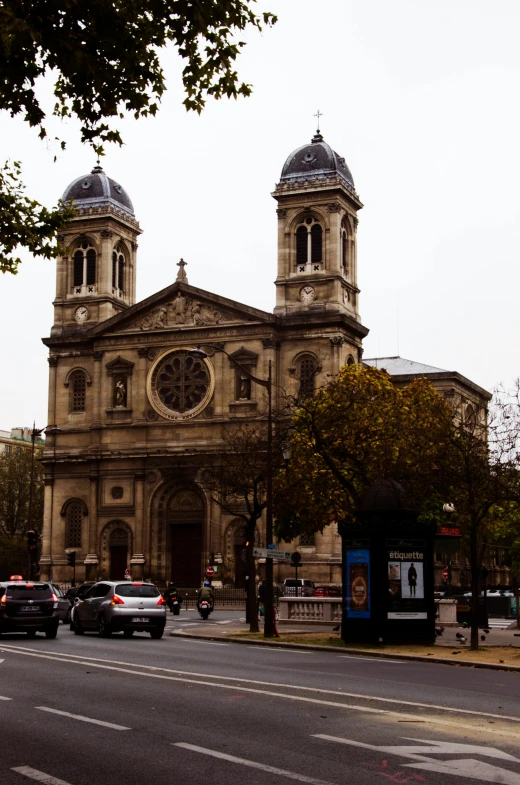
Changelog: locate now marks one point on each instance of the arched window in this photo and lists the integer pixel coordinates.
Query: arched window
(344, 259)
(309, 245)
(118, 271)
(78, 386)
(74, 525)
(307, 375)
(350, 360)
(84, 268)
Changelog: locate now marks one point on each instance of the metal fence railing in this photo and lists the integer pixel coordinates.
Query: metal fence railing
(226, 597)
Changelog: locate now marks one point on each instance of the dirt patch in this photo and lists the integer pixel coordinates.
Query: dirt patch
(497, 655)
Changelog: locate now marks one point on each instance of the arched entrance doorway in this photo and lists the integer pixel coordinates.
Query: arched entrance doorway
(118, 548)
(185, 521)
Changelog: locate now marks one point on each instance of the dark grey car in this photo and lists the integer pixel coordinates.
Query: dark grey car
(121, 606)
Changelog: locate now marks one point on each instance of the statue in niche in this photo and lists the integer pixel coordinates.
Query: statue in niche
(120, 394)
(244, 393)
(179, 309)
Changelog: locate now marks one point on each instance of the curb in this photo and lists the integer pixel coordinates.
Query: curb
(356, 652)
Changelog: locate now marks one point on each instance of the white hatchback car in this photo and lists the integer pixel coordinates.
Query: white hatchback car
(121, 606)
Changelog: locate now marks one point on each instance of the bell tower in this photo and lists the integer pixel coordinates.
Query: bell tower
(317, 225)
(95, 279)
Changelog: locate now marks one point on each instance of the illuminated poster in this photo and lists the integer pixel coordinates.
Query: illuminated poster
(406, 580)
(358, 583)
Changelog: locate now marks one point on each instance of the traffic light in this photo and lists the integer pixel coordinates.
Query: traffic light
(71, 559)
(32, 540)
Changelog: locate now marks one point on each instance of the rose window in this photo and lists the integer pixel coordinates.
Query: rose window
(180, 386)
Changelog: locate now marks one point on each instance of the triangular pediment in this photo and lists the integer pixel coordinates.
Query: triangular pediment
(181, 306)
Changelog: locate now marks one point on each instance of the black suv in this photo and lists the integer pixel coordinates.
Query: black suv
(28, 607)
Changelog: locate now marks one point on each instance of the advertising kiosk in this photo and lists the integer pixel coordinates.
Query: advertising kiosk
(388, 571)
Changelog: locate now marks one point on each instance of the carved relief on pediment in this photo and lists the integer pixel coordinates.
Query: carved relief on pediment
(182, 311)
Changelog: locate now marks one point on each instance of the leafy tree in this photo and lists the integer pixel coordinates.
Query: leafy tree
(105, 59)
(15, 483)
(13, 556)
(237, 483)
(358, 428)
(480, 471)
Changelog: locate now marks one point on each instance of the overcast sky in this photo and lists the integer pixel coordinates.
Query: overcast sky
(420, 97)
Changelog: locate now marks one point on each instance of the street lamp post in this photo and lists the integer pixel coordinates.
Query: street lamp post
(267, 383)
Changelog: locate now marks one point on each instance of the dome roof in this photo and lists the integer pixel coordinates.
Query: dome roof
(97, 190)
(315, 161)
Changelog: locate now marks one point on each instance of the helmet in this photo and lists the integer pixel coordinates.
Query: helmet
(171, 584)
(207, 583)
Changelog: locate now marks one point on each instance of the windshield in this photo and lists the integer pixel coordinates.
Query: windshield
(23, 592)
(127, 590)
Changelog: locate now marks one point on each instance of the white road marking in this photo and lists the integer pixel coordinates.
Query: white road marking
(111, 665)
(204, 643)
(285, 651)
(2, 698)
(39, 776)
(380, 660)
(462, 767)
(252, 764)
(82, 718)
(227, 621)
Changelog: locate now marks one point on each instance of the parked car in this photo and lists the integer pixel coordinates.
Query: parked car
(117, 606)
(74, 594)
(28, 607)
(326, 590)
(298, 587)
(63, 604)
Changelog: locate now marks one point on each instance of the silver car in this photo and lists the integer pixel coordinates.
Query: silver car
(121, 606)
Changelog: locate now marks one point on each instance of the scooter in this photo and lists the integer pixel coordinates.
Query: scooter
(173, 601)
(204, 609)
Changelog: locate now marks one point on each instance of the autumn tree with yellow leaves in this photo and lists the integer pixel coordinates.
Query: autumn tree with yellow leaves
(357, 429)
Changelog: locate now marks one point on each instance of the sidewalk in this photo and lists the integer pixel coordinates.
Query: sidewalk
(500, 650)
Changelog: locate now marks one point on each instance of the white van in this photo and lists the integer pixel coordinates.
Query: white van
(298, 587)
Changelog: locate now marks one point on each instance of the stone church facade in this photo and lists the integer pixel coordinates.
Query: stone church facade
(138, 416)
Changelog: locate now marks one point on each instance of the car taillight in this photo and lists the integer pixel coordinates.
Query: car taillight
(54, 600)
(161, 601)
(135, 583)
(117, 600)
(3, 600)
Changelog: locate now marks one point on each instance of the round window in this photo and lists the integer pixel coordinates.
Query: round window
(180, 386)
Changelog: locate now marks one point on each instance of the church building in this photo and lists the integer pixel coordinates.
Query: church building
(137, 416)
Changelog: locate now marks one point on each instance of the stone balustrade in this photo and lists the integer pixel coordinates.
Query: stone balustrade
(309, 610)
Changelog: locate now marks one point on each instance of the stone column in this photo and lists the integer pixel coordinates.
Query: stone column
(97, 393)
(336, 342)
(46, 557)
(137, 561)
(92, 560)
(140, 392)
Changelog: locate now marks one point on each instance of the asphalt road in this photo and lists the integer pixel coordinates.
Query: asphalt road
(93, 711)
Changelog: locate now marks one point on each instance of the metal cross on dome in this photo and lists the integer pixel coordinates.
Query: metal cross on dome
(318, 115)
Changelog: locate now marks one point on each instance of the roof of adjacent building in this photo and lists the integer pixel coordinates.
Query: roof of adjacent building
(98, 190)
(315, 161)
(397, 366)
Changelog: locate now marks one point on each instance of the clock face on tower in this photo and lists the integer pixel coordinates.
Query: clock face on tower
(307, 294)
(81, 314)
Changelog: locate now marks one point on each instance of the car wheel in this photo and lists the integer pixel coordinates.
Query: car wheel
(31, 633)
(103, 628)
(78, 629)
(158, 633)
(128, 633)
(51, 632)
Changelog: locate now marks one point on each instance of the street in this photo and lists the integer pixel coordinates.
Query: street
(93, 711)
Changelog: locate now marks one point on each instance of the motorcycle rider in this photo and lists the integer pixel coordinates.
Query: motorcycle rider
(206, 593)
(171, 594)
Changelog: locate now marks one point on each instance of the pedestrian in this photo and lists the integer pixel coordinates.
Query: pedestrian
(262, 590)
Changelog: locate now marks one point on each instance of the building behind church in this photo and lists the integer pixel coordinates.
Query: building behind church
(138, 416)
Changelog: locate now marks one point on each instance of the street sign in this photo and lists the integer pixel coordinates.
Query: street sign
(296, 558)
(445, 574)
(210, 572)
(268, 553)
(451, 531)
